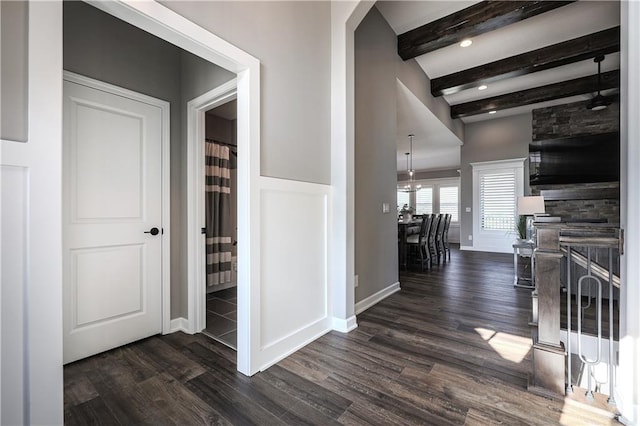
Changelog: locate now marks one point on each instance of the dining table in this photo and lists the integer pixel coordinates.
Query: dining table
(404, 230)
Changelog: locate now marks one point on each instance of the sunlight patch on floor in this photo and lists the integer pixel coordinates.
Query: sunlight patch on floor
(508, 346)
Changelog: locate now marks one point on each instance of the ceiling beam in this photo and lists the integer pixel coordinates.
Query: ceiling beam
(567, 52)
(564, 89)
(470, 22)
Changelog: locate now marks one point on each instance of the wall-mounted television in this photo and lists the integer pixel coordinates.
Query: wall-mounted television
(578, 159)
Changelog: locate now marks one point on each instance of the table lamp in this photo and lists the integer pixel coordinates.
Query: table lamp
(530, 206)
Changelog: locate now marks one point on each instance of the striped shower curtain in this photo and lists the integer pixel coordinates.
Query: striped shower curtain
(218, 214)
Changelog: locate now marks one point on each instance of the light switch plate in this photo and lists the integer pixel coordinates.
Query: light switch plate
(385, 207)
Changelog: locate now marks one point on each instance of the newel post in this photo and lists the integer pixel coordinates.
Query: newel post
(548, 376)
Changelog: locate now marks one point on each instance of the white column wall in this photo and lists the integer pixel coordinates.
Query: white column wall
(31, 348)
(628, 386)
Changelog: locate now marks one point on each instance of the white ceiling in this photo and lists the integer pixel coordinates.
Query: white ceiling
(564, 23)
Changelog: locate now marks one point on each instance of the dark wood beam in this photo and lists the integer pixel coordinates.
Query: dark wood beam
(577, 49)
(564, 89)
(470, 22)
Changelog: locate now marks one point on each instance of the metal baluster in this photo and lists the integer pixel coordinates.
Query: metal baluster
(569, 382)
(611, 399)
(590, 363)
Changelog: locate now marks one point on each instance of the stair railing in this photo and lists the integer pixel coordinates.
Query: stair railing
(575, 244)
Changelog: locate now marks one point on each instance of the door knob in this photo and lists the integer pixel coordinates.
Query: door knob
(152, 231)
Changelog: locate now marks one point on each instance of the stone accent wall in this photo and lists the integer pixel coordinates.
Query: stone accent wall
(575, 119)
(608, 209)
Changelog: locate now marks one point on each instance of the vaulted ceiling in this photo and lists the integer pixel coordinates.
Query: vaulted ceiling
(528, 54)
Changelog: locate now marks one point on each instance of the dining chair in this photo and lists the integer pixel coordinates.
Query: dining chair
(432, 246)
(445, 237)
(420, 240)
(440, 237)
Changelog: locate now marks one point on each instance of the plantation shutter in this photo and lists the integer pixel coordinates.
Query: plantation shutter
(424, 200)
(449, 201)
(498, 200)
(403, 198)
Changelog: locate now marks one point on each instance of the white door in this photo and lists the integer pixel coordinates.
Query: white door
(112, 208)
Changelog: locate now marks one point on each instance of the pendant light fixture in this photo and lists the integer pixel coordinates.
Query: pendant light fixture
(411, 185)
(598, 102)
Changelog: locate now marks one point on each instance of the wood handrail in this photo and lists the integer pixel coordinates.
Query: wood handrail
(597, 269)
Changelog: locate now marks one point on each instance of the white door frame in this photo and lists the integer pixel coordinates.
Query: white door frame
(162, 22)
(164, 107)
(196, 109)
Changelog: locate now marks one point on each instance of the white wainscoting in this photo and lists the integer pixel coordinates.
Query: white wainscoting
(14, 193)
(294, 291)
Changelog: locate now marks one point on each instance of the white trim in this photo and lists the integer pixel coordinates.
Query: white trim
(162, 22)
(180, 324)
(497, 241)
(164, 107)
(487, 249)
(628, 385)
(379, 296)
(344, 325)
(196, 286)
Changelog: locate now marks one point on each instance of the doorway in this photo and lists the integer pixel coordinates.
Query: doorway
(220, 210)
(156, 20)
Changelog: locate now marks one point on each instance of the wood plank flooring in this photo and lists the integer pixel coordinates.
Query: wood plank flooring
(451, 348)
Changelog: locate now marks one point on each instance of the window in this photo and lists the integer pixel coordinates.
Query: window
(496, 187)
(449, 201)
(403, 198)
(424, 200)
(434, 196)
(498, 200)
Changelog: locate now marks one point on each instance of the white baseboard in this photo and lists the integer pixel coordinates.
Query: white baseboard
(344, 325)
(368, 302)
(179, 324)
(279, 350)
(486, 249)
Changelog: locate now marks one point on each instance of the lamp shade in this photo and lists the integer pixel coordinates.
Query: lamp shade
(528, 206)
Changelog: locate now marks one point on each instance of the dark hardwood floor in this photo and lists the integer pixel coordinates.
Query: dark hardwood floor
(452, 347)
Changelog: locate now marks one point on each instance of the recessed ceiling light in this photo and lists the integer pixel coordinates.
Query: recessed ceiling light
(492, 112)
(483, 87)
(466, 42)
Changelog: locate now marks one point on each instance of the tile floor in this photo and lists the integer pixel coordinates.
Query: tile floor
(221, 316)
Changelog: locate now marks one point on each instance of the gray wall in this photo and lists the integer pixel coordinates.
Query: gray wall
(14, 26)
(376, 248)
(220, 129)
(497, 139)
(293, 42)
(377, 69)
(414, 78)
(102, 47)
